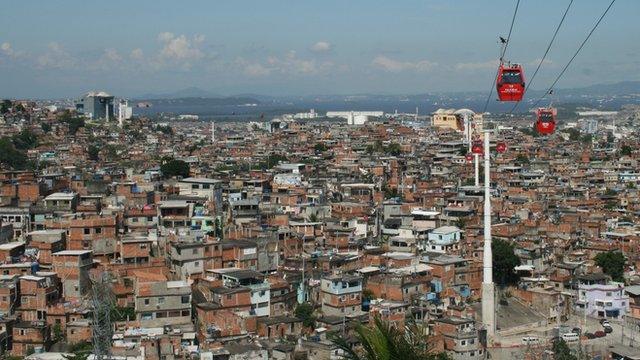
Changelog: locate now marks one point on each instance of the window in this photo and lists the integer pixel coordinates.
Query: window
(463, 342)
(146, 301)
(206, 186)
(197, 263)
(87, 231)
(185, 299)
(195, 186)
(98, 230)
(160, 300)
(194, 251)
(608, 293)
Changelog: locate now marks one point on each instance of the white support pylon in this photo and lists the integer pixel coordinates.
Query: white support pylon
(488, 288)
(476, 158)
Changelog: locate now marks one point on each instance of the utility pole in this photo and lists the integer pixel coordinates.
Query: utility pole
(488, 288)
(102, 300)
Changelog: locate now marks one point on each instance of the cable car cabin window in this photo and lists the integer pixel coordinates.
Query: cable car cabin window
(511, 77)
(545, 117)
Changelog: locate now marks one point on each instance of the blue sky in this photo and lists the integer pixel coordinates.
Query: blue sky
(287, 47)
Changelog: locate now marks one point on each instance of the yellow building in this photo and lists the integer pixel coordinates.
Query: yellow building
(447, 119)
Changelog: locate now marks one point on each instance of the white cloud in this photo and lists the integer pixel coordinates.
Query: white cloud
(55, 57)
(137, 54)
(256, 70)
(112, 55)
(321, 46)
(6, 49)
(537, 61)
(392, 65)
(483, 65)
(288, 64)
(180, 48)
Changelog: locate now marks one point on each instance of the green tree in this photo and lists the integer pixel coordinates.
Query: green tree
(304, 312)
(10, 156)
(504, 262)
(522, 159)
(57, 333)
(122, 313)
(94, 152)
(626, 150)
(79, 351)
(273, 160)
(46, 127)
(561, 351)
(612, 264)
(25, 140)
(165, 129)
(321, 147)
(586, 138)
(175, 168)
(574, 134)
(75, 123)
(382, 341)
(5, 106)
(393, 149)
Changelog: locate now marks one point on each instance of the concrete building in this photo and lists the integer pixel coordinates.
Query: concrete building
(73, 268)
(163, 303)
(96, 105)
(341, 295)
(444, 239)
(601, 298)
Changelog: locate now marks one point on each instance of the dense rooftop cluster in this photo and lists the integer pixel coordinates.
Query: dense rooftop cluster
(268, 244)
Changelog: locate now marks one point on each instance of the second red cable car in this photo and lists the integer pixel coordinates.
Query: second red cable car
(546, 120)
(510, 82)
(477, 148)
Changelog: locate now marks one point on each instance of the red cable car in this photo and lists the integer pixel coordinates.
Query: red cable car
(546, 120)
(510, 82)
(477, 148)
(501, 147)
(469, 158)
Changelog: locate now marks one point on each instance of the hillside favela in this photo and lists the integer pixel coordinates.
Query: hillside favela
(311, 180)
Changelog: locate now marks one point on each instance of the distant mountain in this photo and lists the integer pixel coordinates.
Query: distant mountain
(190, 92)
(619, 88)
(203, 101)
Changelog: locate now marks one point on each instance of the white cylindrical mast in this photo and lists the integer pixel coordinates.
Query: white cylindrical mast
(488, 258)
(476, 158)
(488, 289)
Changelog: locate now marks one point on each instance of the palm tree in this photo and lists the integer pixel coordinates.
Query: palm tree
(385, 342)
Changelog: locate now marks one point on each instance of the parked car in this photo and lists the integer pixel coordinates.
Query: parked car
(589, 335)
(608, 329)
(604, 321)
(599, 334)
(576, 330)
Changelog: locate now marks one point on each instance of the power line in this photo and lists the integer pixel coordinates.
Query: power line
(553, 38)
(576, 53)
(502, 53)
